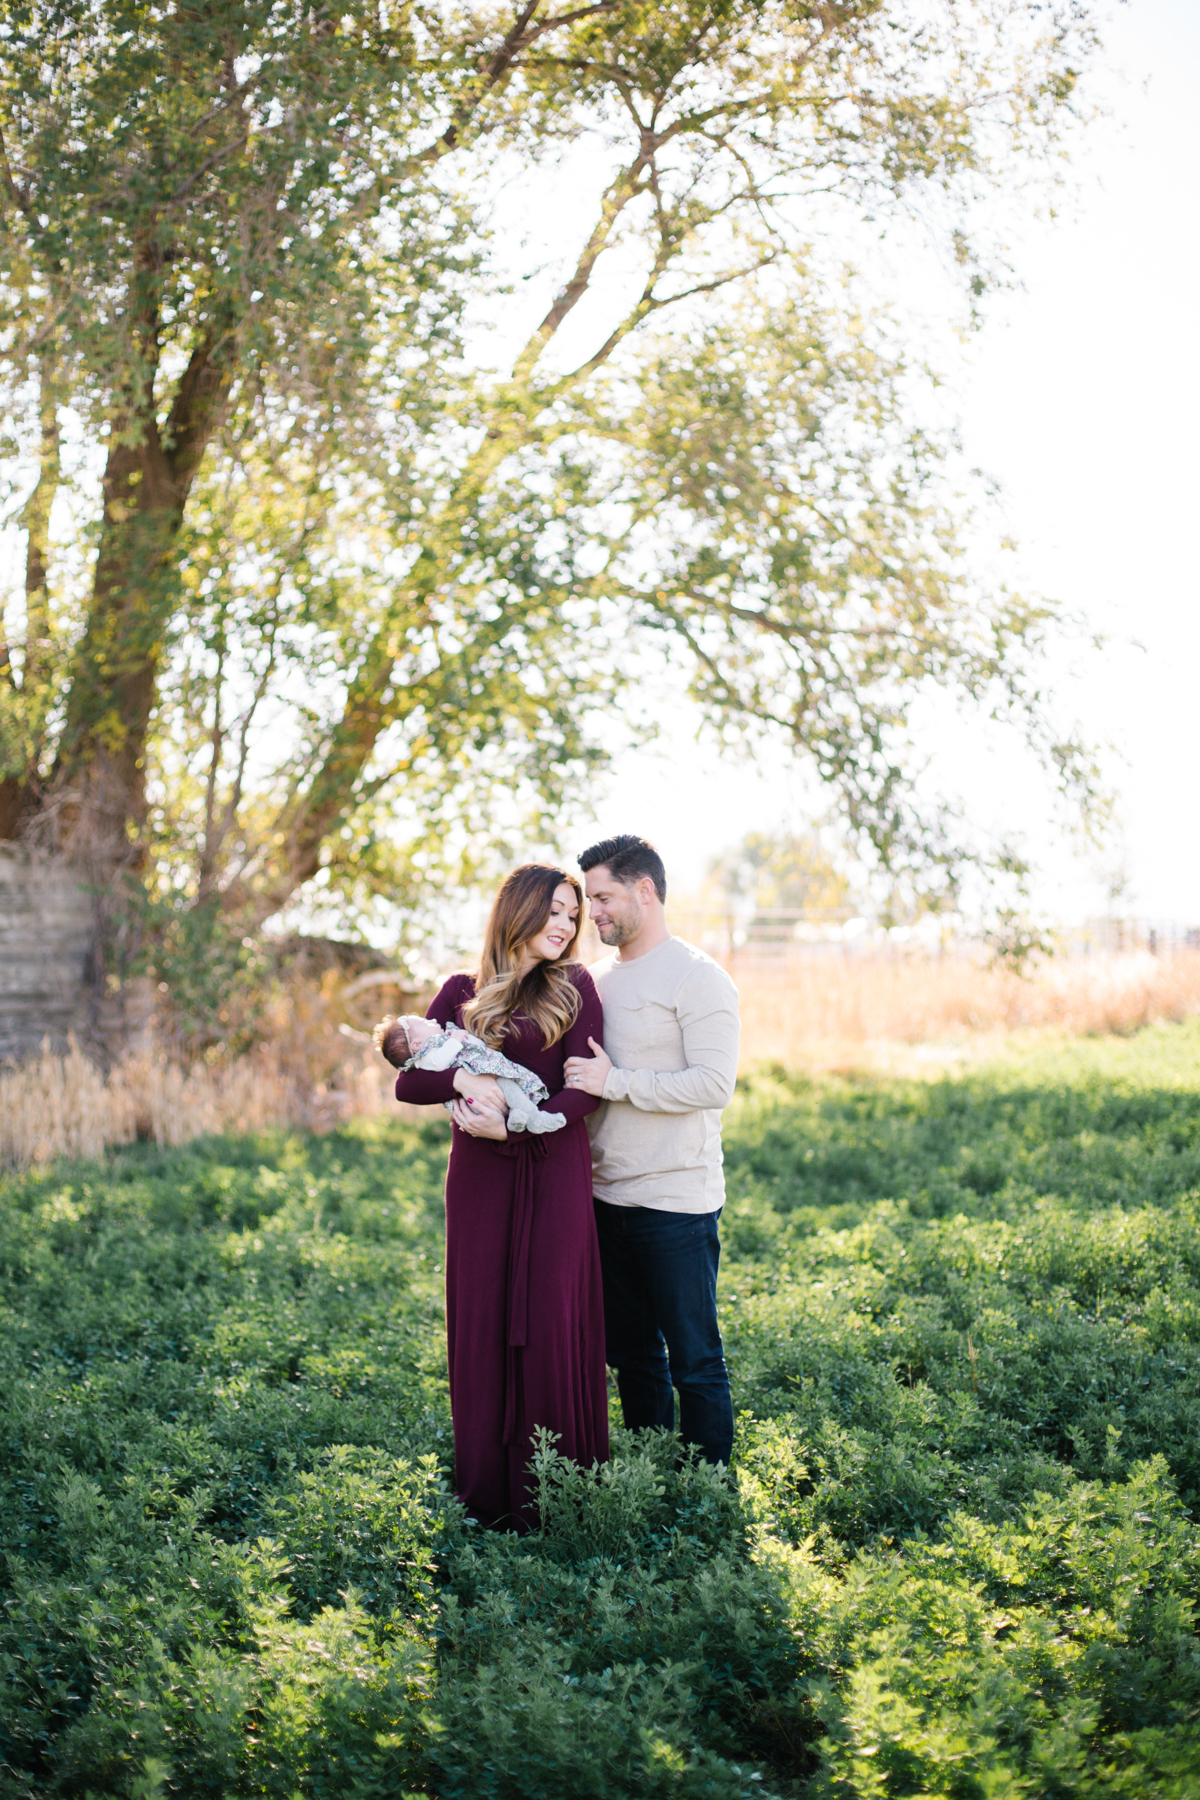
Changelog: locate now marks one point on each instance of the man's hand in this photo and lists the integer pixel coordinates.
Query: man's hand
(587, 1074)
(470, 1117)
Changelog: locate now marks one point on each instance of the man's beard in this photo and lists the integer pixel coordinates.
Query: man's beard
(617, 932)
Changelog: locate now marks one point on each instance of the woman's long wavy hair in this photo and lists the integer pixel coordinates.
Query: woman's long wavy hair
(547, 996)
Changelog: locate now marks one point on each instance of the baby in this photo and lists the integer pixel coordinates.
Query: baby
(412, 1043)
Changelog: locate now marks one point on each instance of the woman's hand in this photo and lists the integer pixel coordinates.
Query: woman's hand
(472, 1118)
(484, 1090)
(587, 1074)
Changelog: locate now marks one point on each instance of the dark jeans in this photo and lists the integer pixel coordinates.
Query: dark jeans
(660, 1283)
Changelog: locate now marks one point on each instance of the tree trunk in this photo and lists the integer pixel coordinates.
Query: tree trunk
(99, 774)
(19, 786)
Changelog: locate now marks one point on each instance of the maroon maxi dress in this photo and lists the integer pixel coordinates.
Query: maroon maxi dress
(524, 1304)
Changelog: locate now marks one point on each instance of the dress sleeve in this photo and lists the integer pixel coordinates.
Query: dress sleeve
(589, 1023)
(429, 1087)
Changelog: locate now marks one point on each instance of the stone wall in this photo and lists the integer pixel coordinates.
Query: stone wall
(46, 923)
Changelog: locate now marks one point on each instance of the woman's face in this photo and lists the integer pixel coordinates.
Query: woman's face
(559, 928)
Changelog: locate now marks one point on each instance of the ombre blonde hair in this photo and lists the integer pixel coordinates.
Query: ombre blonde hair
(546, 996)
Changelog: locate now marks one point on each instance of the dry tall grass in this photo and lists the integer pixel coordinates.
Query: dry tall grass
(65, 1106)
(305, 1073)
(807, 1011)
(822, 1009)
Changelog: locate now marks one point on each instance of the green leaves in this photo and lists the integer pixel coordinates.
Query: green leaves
(955, 1555)
(358, 598)
(994, 1657)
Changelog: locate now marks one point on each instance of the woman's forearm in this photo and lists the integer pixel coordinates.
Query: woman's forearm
(571, 1101)
(425, 1087)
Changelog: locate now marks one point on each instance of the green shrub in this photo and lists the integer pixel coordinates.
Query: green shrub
(956, 1555)
(997, 1661)
(630, 1645)
(358, 1519)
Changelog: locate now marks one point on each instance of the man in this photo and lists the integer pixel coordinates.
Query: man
(671, 1037)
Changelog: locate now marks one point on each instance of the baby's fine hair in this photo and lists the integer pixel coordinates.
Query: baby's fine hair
(390, 1037)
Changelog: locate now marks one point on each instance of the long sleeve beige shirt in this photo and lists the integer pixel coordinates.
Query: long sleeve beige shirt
(671, 1028)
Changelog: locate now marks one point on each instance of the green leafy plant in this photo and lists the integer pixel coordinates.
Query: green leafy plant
(956, 1553)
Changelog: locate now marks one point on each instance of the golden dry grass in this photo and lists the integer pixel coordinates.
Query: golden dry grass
(823, 1010)
(806, 1011)
(306, 1073)
(65, 1106)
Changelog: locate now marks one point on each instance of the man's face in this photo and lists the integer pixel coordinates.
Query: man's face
(617, 910)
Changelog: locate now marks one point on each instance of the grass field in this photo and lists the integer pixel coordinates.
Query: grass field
(956, 1556)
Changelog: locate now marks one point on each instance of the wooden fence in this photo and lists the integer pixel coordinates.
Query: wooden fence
(772, 934)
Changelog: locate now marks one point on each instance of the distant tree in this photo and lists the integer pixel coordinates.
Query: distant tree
(785, 870)
(333, 576)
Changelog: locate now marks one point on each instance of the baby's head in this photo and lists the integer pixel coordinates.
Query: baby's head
(399, 1039)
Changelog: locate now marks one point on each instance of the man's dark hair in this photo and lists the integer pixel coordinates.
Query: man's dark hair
(627, 859)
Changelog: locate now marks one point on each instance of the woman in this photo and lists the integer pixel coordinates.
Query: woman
(524, 1307)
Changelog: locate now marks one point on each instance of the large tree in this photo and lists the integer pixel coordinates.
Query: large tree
(337, 571)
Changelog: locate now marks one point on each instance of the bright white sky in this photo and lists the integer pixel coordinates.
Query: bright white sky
(1081, 397)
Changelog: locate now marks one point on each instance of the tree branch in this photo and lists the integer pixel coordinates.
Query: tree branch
(650, 303)
(200, 399)
(35, 517)
(210, 162)
(217, 736)
(492, 70)
(16, 194)
(616, 198)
